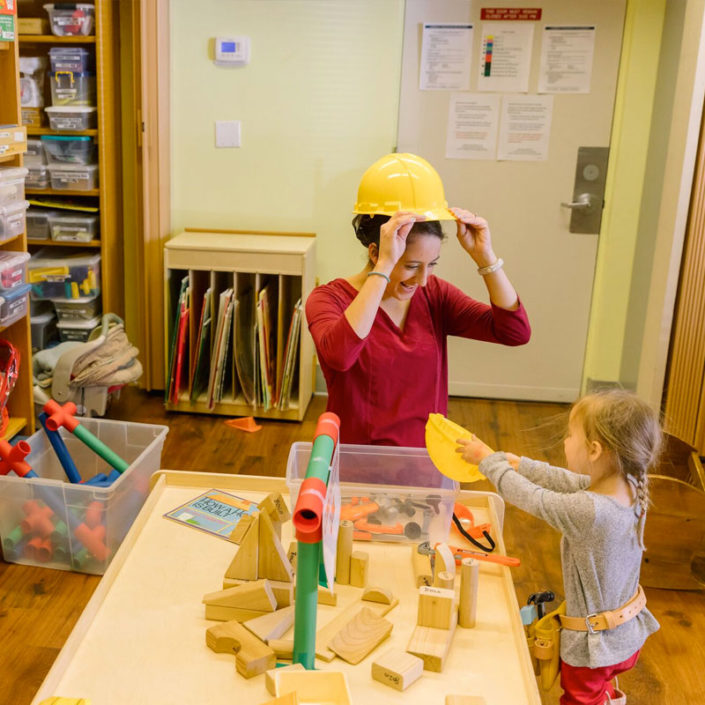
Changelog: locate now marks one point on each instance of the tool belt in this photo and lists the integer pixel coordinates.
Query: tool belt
(601, 621)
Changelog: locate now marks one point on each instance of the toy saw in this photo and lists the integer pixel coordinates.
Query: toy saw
(441, 437)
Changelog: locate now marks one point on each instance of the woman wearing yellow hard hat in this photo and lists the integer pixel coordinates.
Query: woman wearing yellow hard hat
(381, 334)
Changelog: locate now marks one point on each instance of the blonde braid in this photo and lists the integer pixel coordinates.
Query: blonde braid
(642, 494)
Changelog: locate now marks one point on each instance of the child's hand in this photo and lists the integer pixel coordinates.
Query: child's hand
(512, 459)
(473, 450)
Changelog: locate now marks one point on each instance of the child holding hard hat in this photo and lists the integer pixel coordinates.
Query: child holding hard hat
(381, 334)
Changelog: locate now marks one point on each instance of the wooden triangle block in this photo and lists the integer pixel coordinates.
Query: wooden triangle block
(255, 595)
(244, 565)
(246, 423)
(359, 636)
(272, 561)
(273, 625)
(241, 528)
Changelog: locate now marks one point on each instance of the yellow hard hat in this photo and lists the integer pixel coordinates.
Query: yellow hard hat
(402, 182)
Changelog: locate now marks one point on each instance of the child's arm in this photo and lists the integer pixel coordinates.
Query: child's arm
(551, 477)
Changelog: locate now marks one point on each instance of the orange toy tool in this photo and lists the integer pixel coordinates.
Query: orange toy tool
(460, 553)
(353, 512)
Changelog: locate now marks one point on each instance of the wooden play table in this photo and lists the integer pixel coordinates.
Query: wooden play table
(141, 638)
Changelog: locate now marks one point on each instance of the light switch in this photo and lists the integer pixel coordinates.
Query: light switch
(227, 133)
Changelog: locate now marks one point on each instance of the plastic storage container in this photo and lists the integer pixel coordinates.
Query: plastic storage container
(86, 524)
(76, 59)
(63, 149)
(38, 223)
(71, 117)
(13, 304)
(12, 220)
(79, 331)
(69, 88)
(13, 269)
(73, 228)
(35, 153)
(77, 309)
(12, 181)
(73, 177)
(37, 177)
(70, 19)
(414, 502)
(68, 275)
(43, 327)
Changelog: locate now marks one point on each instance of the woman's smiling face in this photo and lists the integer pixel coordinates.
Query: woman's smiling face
(415, 265)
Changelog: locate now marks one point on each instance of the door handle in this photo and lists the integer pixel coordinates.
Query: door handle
(584, 202)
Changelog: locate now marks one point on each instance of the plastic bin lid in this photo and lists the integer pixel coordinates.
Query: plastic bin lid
(65, 138)
(68, 50)
(74, 74)
(71, 167)
(37, 167)
(70, 109)
(74, 302)
(79, 5)
(17, 172)
(15, 292)
(12, 259)
(14, 207)
(48, 257)
(83, 325)
(41, 317)
(67, 216)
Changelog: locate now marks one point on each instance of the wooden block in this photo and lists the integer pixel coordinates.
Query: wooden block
(326, 597)
(275, 506)
(272, 561)
(290, 698)
(270, 677)
(360, 636)
(241, 528)
(292, 552)
(255, 595)
(252, 656)
(444, 579)
(445, 560)
(359, 565)
(283, 648)
(421, 563)
(431, 645)
(436, 608)
(397, 669)
(329, 687)
(223, 613)
(244, 565)
(465, 700)
(342, 558)
(469, 576)
(273, 625)
(377, 594)
(283, 592)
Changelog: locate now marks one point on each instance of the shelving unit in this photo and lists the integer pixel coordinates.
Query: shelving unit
(20, 405)
(107, 137)
(246, 262)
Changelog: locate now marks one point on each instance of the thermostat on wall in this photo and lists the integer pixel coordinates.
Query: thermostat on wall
(232, 51)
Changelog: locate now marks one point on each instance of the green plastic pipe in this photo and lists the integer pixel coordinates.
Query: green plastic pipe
(98, 447)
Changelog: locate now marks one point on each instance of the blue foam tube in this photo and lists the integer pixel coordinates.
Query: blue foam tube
(62, 453)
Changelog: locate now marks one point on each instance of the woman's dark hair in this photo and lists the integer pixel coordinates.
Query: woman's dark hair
(367, 228)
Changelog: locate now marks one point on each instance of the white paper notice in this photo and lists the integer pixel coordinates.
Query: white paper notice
(525, 127)
(472, 126)
(566, 59)
(445, 57)
(505, 57)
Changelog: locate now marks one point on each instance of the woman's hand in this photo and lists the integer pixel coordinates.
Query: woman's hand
(474, 236)
(473, 449)
(392, 238)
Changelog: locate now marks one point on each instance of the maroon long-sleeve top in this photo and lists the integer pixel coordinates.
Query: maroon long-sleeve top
(384, 386)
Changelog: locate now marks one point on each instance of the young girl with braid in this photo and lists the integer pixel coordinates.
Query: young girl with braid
(599, 505)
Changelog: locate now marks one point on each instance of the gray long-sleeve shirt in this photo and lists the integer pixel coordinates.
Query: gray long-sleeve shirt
(600, 553)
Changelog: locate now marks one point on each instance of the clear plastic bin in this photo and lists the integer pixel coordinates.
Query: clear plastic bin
(77, 330)
(70, 19)
(107, 511)
(69, 88)
(37, 177)
(414, 502)
(13, 305)
(12, 185)
(76, 59)
(12, 220)
(73, 177)
(74, 227)
(38, 223)
(77, 309)
(59, 273)
(63, 149)
(34, 155)
(72, 118)
(13, 269)
(43, 327)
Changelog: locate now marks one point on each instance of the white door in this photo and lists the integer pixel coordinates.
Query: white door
(551, 267)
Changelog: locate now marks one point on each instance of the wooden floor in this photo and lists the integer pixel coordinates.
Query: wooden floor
(38, 607)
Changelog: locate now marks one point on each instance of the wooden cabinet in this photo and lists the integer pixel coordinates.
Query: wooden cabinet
(20, 405)
(265, 275)
(103, 48)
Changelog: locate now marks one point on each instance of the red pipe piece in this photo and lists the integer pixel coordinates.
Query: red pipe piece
(39, 549)
(38, 521)
(94, 514)
(93, 540)
(13, 457)
(309, 510)
(328, 425)
(58, 416)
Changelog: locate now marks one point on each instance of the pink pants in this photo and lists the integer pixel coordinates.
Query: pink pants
(590, 686)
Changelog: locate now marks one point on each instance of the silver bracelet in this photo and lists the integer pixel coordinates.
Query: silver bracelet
(379, 274)
(497, 264)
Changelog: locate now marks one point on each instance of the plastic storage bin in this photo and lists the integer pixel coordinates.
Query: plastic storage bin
(69, 88)
(71, 117)
(13, 269)
(71, 19)
(73, 177)
(76, 59)
(35, 153)
(37, 177)
(12, 220)
(12, 181)
(38, 223)
(62, 149)
(77, 309)
(43, 327)
(414, 501)
(13, 304)
(63, 543)
(68, 275)
(79, 331)
(73, 228)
